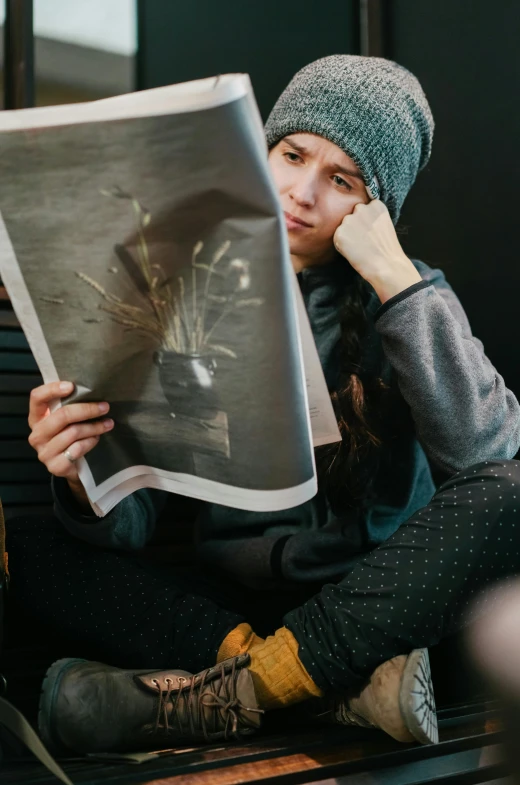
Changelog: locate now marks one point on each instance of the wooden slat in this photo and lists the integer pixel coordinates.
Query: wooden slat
(23, 472)
(8, 318)
(23, 511)
(20, 493)
(300, 756)
(15, 450)
(14, 426)
(19, 382)
(17, 361)
(14, 404)
(13, 339)
(306, 769)
(459, 768)
(326, 758)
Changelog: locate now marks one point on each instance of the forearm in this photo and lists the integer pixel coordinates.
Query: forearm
(394, 278)
(463, 411)
(128, 526)
(80, 495)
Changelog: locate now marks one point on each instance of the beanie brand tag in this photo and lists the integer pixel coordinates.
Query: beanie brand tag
(373, 188)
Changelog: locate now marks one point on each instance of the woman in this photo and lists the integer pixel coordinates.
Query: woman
(356, 584)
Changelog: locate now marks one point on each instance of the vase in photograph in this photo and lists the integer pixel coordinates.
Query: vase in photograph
(187, 381)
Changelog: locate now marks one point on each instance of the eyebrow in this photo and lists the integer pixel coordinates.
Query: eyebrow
(337, 167)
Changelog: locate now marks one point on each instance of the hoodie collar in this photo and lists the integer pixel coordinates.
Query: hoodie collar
(323, 287)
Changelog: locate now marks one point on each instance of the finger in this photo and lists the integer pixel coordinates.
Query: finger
(48, 428)
(345, 222)
(378, 207)
(338, 235)
(62, 466)
(42, 396)
(74, 433)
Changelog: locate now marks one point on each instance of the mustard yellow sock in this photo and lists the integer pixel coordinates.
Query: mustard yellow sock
(279, 677)
(238, 641)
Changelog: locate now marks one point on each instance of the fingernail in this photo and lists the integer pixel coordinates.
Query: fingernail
(103, 407)
(65, 386)
(108, 424)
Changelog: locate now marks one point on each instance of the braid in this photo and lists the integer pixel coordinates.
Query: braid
(347, 470)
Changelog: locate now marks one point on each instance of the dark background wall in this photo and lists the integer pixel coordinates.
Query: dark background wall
(463, 213)
(269, 39)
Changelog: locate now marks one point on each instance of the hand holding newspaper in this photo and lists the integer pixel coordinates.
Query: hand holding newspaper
(144, 250)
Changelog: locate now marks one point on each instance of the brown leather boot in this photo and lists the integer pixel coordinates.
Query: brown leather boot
(398, 699)
(91, 707)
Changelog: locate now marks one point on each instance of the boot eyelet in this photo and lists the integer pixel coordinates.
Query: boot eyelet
(154, 681)
(168, 680)
(181, 680)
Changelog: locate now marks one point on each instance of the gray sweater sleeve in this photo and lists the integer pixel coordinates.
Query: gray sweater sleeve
(128, 526)
(462, 409)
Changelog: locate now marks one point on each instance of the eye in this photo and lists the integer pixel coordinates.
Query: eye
(292, 157)
(339, 181)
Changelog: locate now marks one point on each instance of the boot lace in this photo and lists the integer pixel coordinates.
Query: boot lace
(178, 709)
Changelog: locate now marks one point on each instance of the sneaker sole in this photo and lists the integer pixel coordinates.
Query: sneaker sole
(416, 698)
(50, 687)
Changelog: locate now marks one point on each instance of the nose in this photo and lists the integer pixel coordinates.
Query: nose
(303, 189)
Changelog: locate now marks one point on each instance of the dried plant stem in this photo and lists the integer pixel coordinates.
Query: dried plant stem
(189, 328)
(179, 325)
(227, 310)
(220, 252)
(199, 333)
(142, 248)
(194, 299)
(179, 332)
(146, 323)
(172, 318)
(144, 264)
(135, 323)
(95, 285)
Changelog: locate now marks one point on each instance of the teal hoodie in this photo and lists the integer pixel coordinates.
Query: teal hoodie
(457, 412)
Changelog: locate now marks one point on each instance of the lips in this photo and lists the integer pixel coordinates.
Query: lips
(293, 220)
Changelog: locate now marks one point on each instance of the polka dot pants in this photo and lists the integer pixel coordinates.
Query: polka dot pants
(411, 591)
(418, 586)
(112, 606)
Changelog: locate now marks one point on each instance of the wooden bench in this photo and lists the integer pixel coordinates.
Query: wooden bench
(468, 752)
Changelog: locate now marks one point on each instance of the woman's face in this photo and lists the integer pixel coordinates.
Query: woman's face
(319, 185)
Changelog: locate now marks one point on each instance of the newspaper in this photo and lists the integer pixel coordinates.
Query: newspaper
(145, 253)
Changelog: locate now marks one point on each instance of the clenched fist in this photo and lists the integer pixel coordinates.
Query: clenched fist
(367, 239)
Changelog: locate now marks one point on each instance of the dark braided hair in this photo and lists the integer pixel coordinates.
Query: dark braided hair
(362, 402)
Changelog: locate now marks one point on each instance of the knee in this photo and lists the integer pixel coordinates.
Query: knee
(505, 473)
(499, 479)
(497, 483)
(501, 476)
(505, 484)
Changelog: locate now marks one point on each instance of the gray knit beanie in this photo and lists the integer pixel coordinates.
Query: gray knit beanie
(372, 108)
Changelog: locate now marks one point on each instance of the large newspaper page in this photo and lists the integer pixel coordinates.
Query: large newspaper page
(144, 249)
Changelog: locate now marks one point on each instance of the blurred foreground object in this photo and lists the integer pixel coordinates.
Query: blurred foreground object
(494, 637)
(494, 645)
